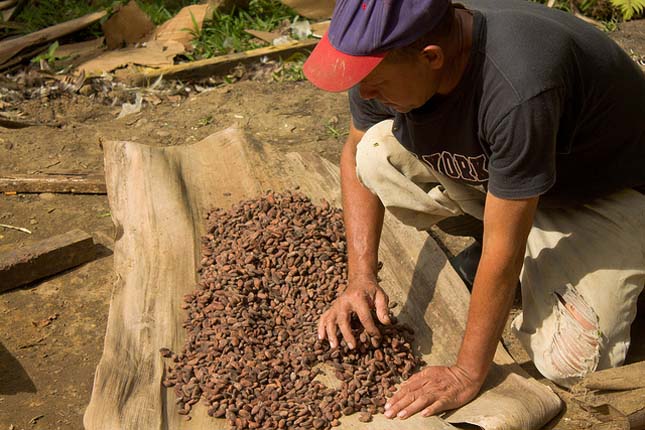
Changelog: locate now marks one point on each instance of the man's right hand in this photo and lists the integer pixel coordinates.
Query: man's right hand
(362, 295)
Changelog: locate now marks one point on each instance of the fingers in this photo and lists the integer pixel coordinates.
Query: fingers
(330, 328)
(364, 314)
(381, 303)
(346, 329)
(339, 316)
(435, 408)
(322, 328)
(415, 405)
(336, 318)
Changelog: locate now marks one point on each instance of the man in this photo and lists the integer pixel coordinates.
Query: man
(511, 113)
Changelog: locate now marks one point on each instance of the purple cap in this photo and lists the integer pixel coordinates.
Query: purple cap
(360, 34)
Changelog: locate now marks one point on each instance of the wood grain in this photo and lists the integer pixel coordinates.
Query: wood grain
(159, 198)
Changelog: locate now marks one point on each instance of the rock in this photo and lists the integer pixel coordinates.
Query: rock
(47, 196)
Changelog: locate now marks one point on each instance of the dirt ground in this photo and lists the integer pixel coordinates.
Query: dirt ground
(51, 332)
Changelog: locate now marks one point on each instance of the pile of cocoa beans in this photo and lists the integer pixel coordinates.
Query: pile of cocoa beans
(270, 267)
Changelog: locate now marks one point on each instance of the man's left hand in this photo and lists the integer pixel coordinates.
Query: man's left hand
(433, 390)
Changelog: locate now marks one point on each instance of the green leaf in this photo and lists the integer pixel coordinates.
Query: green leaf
(629, 8)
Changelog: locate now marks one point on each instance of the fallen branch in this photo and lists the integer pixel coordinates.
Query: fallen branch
(13, 124)
(9, 48)
(80, 183)
(13, 227)
(219, 65)
(6, 4)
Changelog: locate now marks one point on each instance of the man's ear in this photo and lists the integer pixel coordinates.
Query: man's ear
(434, 55)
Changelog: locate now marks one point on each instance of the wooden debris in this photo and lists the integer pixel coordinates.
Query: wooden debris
(267, 36)
(219, 65)
(13, 124)
(104, 238)
(13, 227)
(80, 48)
(156, 53)
(312, 9)
(11, 8)
(129, 25)
(181, 27)
(9, 48)
(318, 29)
(6, 4)
(45, 258)
(629, 377)
(79, 183)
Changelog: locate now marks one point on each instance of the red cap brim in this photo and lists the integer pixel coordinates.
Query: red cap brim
(332, 70)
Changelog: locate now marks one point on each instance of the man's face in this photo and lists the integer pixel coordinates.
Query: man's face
(402, 83)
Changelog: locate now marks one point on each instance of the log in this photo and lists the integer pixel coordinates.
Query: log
(629, 377)
(6, 4)
(159, 197)
(12, 124)
(9, 48)
(219, 65)
(11, 8)
(54, 183)
(45, 258)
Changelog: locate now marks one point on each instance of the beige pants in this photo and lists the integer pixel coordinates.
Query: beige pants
(587, 262)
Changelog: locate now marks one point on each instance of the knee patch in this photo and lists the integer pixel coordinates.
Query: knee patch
(574, 350)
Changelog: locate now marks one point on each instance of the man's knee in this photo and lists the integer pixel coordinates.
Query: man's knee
(373, 153)
(574, 347)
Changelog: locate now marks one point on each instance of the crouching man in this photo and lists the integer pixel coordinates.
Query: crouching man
(508, 115)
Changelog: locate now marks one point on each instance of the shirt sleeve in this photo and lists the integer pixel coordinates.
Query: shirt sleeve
(523, 148)
(366, 113)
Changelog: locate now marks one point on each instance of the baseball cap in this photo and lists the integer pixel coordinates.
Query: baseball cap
(362, 32)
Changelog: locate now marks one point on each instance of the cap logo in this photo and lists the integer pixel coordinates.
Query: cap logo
(364, 6)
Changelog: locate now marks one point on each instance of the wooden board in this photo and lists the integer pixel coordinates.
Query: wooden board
(58, 183)
(219, 65)
(11, 47)
(45, 258)
(629, 377)
(159, 198)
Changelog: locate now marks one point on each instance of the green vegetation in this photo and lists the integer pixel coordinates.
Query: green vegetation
(39, 14)
(290, 69)
(49, 56)
(225, 33)
(608, 12)
(630, 8)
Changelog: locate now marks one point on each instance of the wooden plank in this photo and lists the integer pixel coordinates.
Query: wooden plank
(159, 197)
(9, 48)
(45, 258)
(629, 377)
(54, 183)
(219, 65)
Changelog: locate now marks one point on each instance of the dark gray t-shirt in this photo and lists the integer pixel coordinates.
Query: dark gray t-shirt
(548, 105)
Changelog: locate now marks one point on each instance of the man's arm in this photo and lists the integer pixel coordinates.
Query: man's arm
(435, 389)
(363, 216)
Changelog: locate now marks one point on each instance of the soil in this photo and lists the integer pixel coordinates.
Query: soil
(51, 332)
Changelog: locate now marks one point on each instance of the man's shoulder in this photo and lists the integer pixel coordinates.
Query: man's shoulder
(533, 48)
